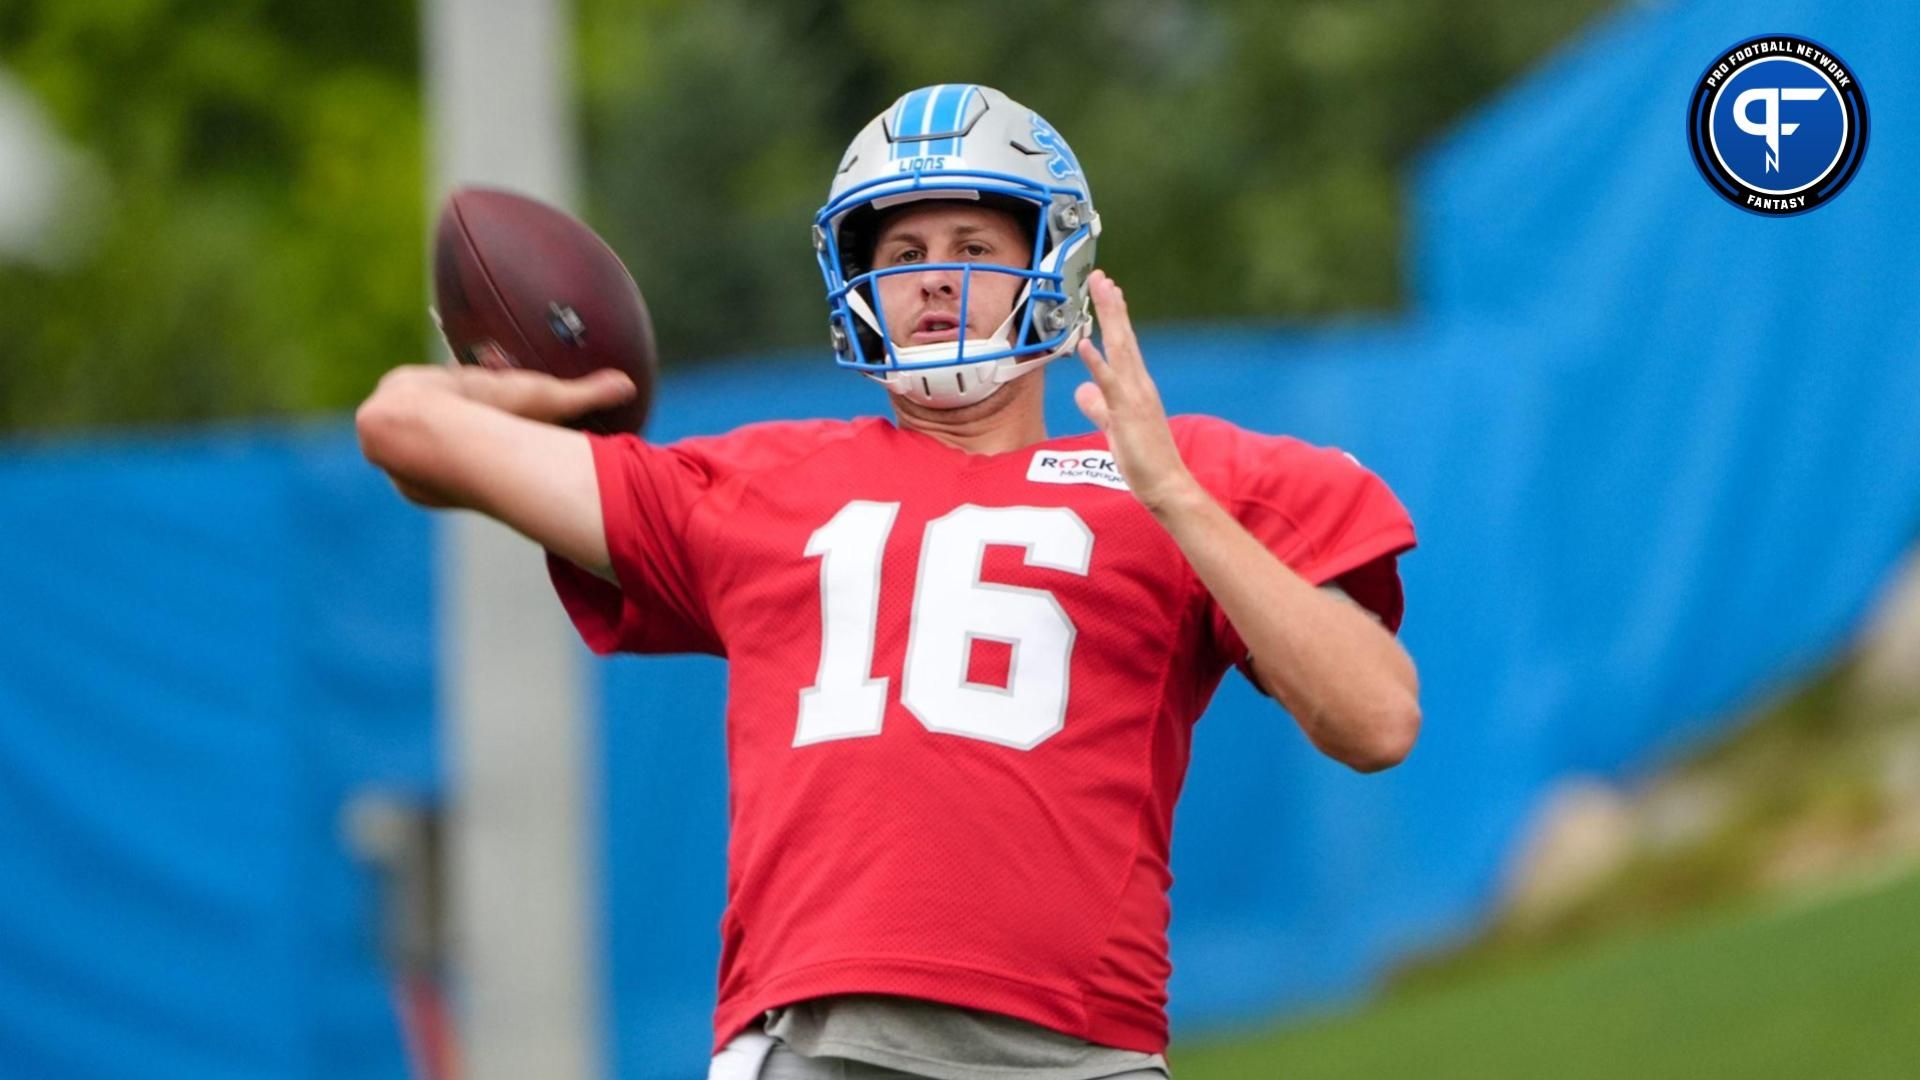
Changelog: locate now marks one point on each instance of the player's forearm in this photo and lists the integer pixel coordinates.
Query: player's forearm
(448, 438)
(1344, 678)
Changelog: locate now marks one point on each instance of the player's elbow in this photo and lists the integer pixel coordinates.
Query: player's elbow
(1385, 734)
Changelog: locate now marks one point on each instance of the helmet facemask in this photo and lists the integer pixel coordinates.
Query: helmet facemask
(1050, 311)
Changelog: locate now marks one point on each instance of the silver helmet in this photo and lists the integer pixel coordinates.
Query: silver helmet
(962, 142)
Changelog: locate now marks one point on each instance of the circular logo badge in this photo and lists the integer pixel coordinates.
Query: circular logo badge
(1778, 125)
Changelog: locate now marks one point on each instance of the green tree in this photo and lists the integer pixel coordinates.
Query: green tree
(259, 237)
(1246, 154)
(257, 247)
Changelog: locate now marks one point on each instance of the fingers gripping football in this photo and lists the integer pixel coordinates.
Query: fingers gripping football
(539, 396)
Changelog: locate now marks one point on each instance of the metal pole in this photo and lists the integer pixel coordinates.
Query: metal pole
(515, 701)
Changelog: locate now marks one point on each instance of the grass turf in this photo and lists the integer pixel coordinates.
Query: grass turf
(1810, 986)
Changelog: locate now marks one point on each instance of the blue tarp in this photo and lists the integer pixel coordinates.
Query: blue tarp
(209, 641)
(1657, 450)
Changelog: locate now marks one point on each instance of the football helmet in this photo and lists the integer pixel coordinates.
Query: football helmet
(962, 142)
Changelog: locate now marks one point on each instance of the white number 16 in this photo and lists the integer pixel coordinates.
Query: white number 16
(951, 607)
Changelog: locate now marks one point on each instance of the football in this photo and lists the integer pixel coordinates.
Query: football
(546, 291)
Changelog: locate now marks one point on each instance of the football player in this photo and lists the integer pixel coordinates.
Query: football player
(965, 656)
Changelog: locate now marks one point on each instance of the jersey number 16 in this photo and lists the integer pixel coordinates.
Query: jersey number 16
(951, 607)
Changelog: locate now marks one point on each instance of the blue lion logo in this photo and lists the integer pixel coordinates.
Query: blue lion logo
(1060, 161)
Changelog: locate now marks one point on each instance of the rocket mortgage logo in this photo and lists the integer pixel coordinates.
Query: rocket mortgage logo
(1778, 125)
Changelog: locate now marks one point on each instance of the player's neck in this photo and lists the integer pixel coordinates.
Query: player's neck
(1008, 420)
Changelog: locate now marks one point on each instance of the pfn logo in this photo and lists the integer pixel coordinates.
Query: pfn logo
(1777, 125)
(1770, 128)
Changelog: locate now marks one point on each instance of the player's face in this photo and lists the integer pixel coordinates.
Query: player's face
(924, 308)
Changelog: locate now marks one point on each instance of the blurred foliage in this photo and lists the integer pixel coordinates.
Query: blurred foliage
(1245, 154)
(258, 229)
(257, 245)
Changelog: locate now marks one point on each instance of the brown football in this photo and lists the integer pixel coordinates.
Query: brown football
(546, 290)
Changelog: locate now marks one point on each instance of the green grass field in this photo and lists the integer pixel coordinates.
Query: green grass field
(1808, 986)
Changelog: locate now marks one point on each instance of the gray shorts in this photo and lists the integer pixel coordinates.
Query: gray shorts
(756, 1056)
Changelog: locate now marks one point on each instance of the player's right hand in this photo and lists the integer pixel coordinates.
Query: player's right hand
(534, 395)
(537, 395)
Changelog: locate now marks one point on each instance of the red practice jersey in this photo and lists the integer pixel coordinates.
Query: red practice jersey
(961, 692)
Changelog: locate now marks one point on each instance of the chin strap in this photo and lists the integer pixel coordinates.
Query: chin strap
(954, 385)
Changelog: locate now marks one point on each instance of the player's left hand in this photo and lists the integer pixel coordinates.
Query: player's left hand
(1123, 402)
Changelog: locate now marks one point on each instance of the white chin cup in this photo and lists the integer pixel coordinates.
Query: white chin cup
(963, 384)
(953, 385)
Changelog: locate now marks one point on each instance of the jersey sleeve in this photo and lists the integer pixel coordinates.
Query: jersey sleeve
(1319, 511)
(647, 496)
